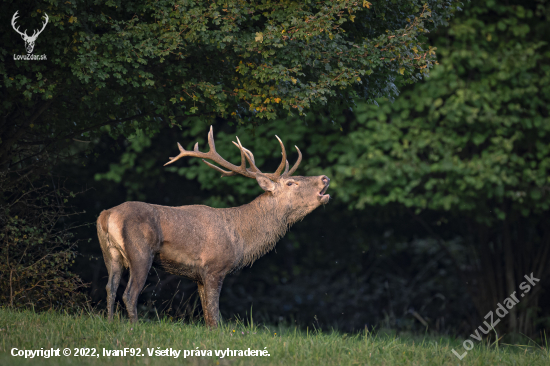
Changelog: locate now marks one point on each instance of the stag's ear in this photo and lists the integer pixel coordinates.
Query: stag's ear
(266, 183)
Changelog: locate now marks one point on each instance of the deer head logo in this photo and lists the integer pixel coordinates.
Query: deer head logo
(29, 40)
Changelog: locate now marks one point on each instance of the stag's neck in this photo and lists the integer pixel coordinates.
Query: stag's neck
(261, 223)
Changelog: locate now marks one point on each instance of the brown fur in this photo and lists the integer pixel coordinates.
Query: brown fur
(199, 242)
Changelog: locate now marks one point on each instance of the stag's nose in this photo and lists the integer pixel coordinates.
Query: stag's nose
(325, 180)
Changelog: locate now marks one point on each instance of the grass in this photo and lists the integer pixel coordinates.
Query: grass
(27, 330)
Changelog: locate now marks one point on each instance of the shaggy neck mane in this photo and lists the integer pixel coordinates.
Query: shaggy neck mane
(262, 223)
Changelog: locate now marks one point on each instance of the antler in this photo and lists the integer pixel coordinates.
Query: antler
(24, 34)
(35, 34)
(214, 156)
(288, 173)
(246, 155)
(17, 29)
(284, 163)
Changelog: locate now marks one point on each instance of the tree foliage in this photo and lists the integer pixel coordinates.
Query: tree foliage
(475, 137)
(152, 63)
(471, 143)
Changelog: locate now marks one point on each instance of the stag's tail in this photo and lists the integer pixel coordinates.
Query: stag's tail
(103, 230)
(111, 251)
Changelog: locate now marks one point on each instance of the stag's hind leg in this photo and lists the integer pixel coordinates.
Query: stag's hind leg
(113, 261)
(139, 269)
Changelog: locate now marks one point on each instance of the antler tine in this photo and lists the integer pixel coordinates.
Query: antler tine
(249, 156)
(211, 143)
(43, 26)
(225, 173)
(246, 154)
(37, 32)
(15, 16)
(243, 158)
(283, 160)
(47, 18)
(275, 176)
(215, 157)
(289, 173)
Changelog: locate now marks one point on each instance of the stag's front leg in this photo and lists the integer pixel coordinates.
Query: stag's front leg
(204, 302)
(212, 288)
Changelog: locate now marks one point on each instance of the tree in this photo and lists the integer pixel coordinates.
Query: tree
(137, 65)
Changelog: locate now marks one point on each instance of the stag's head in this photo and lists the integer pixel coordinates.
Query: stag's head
(29, 40)
(300, 195)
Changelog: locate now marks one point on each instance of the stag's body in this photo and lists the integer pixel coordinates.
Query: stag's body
(199, 242)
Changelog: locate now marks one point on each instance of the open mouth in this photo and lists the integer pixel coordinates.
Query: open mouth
(324, 197)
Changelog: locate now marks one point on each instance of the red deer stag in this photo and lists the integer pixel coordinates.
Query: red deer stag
(203, 243)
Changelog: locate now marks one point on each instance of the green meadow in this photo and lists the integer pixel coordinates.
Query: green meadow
(92, 334)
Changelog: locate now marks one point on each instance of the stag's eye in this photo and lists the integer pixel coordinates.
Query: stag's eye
(290, 183)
